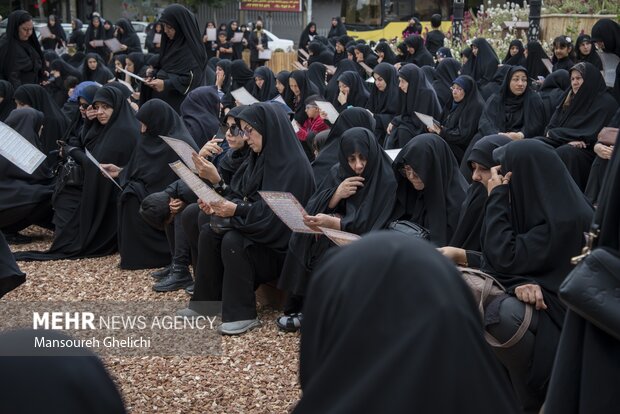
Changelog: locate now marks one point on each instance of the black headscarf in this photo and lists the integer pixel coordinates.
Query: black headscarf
(467, 233)
(98, 33)
(65, 69)
(331, 91)
(17, 187)
(338, 56)
(533, 63)
(200, 111)
(231, 160)
(241, 75)
(328, 157)
(421, 56)
(56, 122)
(280, 166)
(129, 37)
(8, 103)
(316, 74)
(385, 102)
(370, 59)
(493, 87)
(447, 71)
(338, 30)
(283, 77)
(438, 205)
(63, 378)
(459, 121)
(358, 94)
(483, 66)
(306, 88)
(100, 75)
(56, 30)
(519, 58)
(608, 32)
(553, 89)
(587, 111)
(225, 65)
(210, 71)
(20, 62)
(319, 53)
(77, 35)
(506, 112)
(593, 57)
(137, 58)
(385, 302)
(388, 54)
(268, 91)
(306, 35)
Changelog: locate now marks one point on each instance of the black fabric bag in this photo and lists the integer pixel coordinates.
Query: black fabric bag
(592, 290)
(410, 229)
(220, 225)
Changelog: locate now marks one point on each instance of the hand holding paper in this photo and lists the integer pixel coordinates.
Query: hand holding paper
(328, 108)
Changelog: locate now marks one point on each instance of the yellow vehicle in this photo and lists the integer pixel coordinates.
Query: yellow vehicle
(385, 19)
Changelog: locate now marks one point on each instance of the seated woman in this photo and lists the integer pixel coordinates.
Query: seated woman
(431, 188)
(603, 149)
(467, 233)
(483, 62)
(356, 197)
(317, 73)
(586, 52)
(7, 103)
(313, 125)
(25, 199)
(302, 87)
(94, 69)
(381, 101)
(140, 245)
(516, 111)
(552, 90)
(368, 306)
(86, 216)
(364, 54)
(515, 56)
(385, 54)
(534, 223)
(332, 89)
(417, 52)
(447, 71)
(200, 113)
(459, 121)
(353, 92)
(264, 84)
(586, 107)
(417, 95)
(253, 250)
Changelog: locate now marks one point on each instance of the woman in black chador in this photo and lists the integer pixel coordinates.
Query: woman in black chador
(21, 58)
(417, 95)
(86, 216)
(200, 114)
(253, 251)
(368, 306)
(483, 63)
(140, 245)
(382, 101)
(447, 71)
(587, 367)
(57, 38)
(584, 110)
(127, 36)
(10, 275)
(7, 103)
(357, 197)
(534, 223)
(182, 59)
(431, 188)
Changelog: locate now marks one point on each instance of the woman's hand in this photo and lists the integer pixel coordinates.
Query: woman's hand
(577, 144)
(498, 179)
(515, 136)
(156, 84)
(211, 148)
(348, 187)
(435, 129)
(111, 169)
(604, 151)
(91, 113)
(176, 206)
(123, 47)
(322, 220)
(219, 79)
(458, 256)
(342, 98)
(223, 208)
(531, 294)
(205, 207)
(389, 128)
(323, 115)
(206, 169)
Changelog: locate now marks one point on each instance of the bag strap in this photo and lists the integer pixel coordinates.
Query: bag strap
(527, 320)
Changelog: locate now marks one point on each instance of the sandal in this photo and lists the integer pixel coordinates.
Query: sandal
(290, 323)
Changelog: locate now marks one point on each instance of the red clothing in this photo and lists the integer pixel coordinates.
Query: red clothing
(315, 125)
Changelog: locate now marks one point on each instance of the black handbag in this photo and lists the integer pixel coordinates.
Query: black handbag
(220, 225)
(70, 173)
(410, 229)
(592, 288)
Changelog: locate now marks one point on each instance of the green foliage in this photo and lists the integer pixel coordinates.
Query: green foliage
(582, 6)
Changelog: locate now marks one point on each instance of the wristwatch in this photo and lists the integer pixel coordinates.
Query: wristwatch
(220, 187)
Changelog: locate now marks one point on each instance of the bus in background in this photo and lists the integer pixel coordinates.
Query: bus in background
(386, 19)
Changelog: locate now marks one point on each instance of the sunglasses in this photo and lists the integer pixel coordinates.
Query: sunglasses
(233, 129)
(84, 106)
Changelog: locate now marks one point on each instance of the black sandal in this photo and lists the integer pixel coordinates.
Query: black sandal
(290, 323)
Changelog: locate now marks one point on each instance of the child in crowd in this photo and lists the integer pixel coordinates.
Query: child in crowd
(224, 48)
(563, 53)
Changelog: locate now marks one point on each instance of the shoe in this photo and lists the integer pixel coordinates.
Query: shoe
(16, 238)
(238, 327)
(188, 313)
(290, 323)
(190, 290)
(179, 278)
(161, 273)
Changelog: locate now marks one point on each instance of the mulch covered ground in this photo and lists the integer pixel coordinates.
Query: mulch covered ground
(256, 372)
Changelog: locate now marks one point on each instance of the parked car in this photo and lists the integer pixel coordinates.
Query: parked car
(140, 28)
(275, 42)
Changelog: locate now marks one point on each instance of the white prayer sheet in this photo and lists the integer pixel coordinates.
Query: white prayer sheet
(427, 120)
(133, 75)
(202, 190)
(94, 161)
(288, 209)
(299, 66)
(367, 68)
(98, 43)
(244, 97)
(237, 37)
(265, 54)
(19, 150)
(547, 64)
(371, 79)
(610, 62)
(339, 237)
(304, 54)
(330, 69)
(327, 107)
(45, 32)
(113, 44)
(392, 153)
(211, 34)
(183, 150)
(157, 38)
(295, 125)
(279, 98)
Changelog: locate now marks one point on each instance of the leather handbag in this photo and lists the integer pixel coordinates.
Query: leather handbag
(608, 136)
(592, 288)
(485, 289)
(410, 229)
